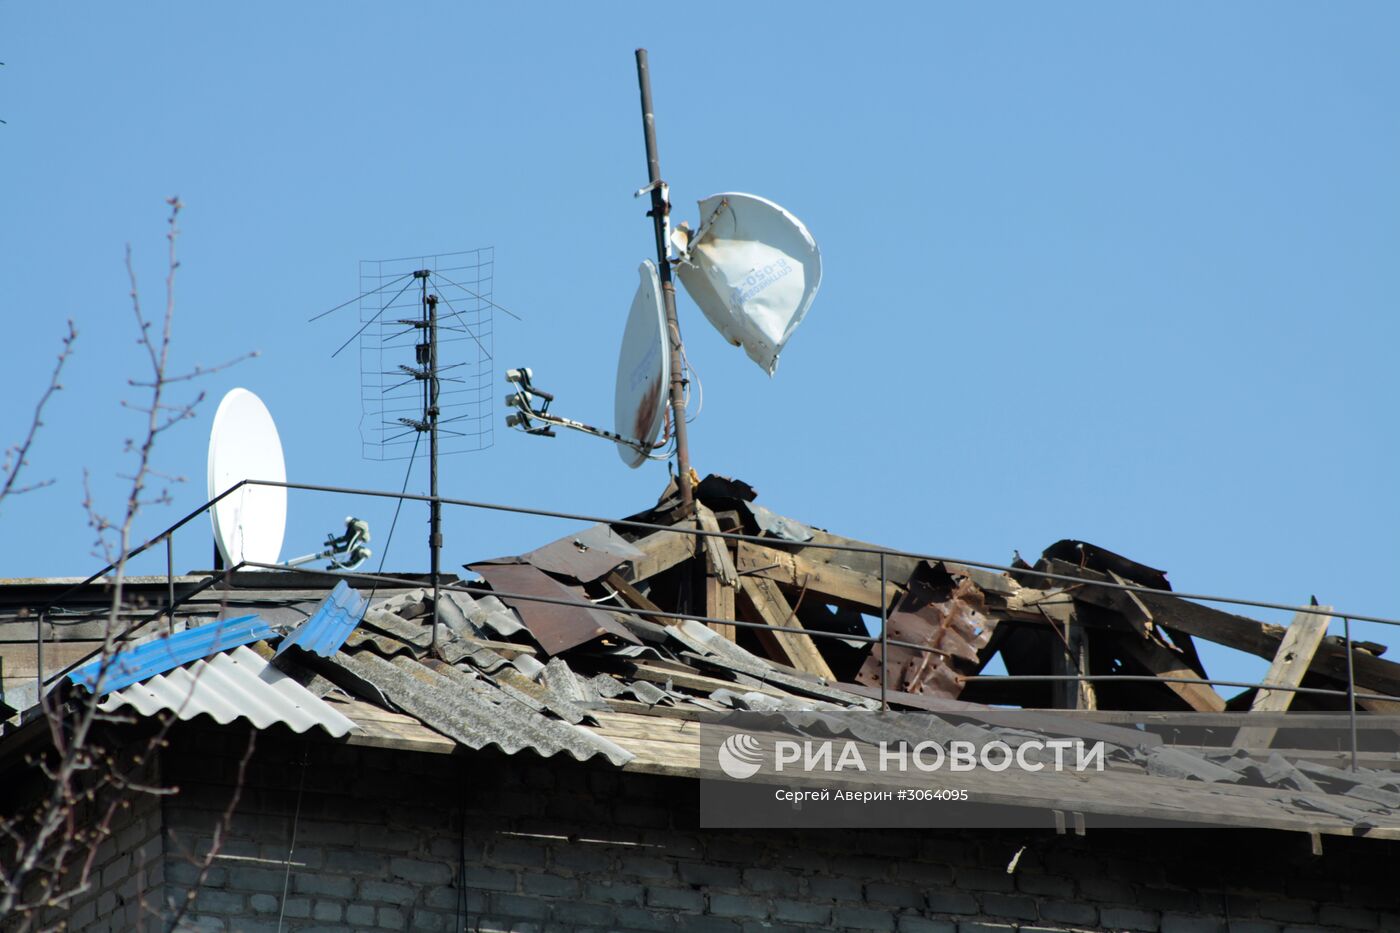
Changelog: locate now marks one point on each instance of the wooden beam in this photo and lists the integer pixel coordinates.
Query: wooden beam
(835, 583)
(716, 549)
(662, 550)
(690, 680)
(637, 599)
(1243, 634)
(720, 574)
(798, 650)
(1073, 658)
(1130, 607)
(719, 604)
(1291, 661)
(1164, 662)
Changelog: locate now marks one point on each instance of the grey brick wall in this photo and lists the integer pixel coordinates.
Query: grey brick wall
(390, 840)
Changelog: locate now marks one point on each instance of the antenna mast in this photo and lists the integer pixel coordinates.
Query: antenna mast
(427, 355)
(659, 213)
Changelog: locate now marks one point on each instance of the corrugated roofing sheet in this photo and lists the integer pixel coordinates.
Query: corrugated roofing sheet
(155, 657)
(331, 624)
(228, 686)
(472, 710)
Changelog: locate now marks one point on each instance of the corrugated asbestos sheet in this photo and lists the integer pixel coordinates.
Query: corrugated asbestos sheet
(228, 686)
(331, 624)
(136, 664)
(473, 711)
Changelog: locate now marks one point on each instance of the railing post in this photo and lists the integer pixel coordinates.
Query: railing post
(170, 583)
(884, 638)
(1351, 690)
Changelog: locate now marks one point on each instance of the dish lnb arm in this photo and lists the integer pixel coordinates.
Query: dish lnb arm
(346, 551)
(531, 414)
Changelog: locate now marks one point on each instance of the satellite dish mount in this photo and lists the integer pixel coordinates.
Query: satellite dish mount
(660, 215)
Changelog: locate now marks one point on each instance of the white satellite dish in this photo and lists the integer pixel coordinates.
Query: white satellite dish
(753, 268)
(643, 370)
(243, 444)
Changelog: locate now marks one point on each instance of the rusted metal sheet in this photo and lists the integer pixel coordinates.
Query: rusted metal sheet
(555, 626)
(587, 556)
(942, 611)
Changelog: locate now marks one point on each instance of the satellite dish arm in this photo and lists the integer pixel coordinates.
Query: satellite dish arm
(526, 415)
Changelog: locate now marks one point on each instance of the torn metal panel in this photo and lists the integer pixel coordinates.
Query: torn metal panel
(556, 627)
(331, 624)
(942, 611)
(228, 686)
(586, 556)
(471, 711)
(771, 523)
(125, 668)
(1091, 556)
(718, 487)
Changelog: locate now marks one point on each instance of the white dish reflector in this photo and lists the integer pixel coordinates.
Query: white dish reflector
(643, 370)
(753, 269)
(243, 444)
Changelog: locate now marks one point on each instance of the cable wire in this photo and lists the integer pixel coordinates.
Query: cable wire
(389, 539)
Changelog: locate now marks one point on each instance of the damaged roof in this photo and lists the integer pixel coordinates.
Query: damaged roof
(612, 643)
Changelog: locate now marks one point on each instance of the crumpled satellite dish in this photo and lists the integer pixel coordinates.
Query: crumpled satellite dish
(243, 444)
(643, 370)
(753, 268)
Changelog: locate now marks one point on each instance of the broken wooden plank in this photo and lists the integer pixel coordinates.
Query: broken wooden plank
(690, 680)
(771, 608)
(716, 549)
(837, 584)
(1294, 656)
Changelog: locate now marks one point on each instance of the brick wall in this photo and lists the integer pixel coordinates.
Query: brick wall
(125, 882)
(401, 841)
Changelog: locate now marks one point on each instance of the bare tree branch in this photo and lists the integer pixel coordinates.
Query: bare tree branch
(17, 457)
(48, 853)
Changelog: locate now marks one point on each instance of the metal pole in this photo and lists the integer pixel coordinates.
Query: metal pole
(170, 583)
(660, 208)
(1351, 690)
(884, 638)
(430, 303)
(39, 655)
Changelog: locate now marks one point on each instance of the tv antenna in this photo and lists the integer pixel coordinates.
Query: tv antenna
(426, 363)
(750, 265)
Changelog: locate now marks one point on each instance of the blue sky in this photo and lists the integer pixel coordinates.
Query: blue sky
(1114, 272)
